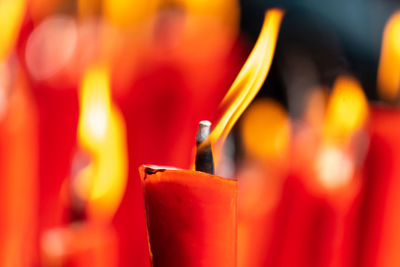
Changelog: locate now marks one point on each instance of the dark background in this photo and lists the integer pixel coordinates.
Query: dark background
(335, 37)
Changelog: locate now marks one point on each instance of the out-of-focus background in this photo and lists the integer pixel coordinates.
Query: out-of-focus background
(92, 89)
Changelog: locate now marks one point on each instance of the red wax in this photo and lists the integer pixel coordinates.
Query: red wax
(191, 217)
(18, 175)
(379, 231)
(80, 245)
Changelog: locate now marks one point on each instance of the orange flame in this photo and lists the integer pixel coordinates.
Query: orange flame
(389, 64)
(250, 78)
(101, 132)
(347, 109)
(346, 114)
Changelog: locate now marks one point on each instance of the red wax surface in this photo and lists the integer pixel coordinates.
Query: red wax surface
(379, 231)
(191, 217)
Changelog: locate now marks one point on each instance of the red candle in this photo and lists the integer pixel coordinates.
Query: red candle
(314, 222)
(379, 235)
(265, 130)
(191, 217)
(18, 169)
(80, 245)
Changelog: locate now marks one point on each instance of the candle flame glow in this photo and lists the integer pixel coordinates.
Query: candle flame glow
(101, 132)
(251, 77)
(389, 64)
(266, 130)
(11, 16)
(347, 109)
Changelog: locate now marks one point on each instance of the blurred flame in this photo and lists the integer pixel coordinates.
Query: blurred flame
(250, 78)
(127, 13)
(11, 16)
(347, 109)
(389, 65)
(266, 130)
(95, 102)
(101, 131)
(334, 167)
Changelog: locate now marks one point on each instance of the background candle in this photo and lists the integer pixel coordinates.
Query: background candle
(79, 245)
(18, 168)
(265, 131)
(378, 235)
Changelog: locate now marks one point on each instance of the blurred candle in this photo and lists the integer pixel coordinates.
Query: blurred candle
(314, 215)
(18, 168)
(96, 187)
(80, 245)
(379, 235)
(265, 130)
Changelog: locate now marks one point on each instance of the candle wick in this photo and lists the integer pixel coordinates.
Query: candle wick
(204, 158)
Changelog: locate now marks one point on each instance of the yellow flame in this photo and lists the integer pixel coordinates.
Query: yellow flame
(251, 77)
(347, 109)
(266, 130)
(101, 132)
(389, 64)
(11, 16)
(95, 107)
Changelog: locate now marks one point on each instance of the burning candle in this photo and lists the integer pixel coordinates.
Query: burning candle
(97, 184)
(191, 215)
(18, 147)
(314, 221)
(265, 130)
(379, 235)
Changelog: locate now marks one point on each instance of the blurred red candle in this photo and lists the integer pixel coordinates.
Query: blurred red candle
(315, 214)
(379, 234)
(80, 245)
(18, 168)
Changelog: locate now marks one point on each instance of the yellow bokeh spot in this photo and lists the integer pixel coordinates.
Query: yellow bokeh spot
(347, 109)
(265, 130)
(11, 16)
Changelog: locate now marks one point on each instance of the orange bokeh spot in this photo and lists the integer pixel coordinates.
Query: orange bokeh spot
(266, 130)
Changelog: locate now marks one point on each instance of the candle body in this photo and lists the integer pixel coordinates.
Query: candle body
(18, 177)
(314, 221)
(260, 187)
(191, 217)
(80, 245)
(379, 232)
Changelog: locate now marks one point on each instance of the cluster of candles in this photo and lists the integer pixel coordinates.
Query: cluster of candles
(88, 100)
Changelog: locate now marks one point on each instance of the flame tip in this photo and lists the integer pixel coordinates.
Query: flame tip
(251, 76)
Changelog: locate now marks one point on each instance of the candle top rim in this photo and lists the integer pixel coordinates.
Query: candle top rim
(149, 169)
